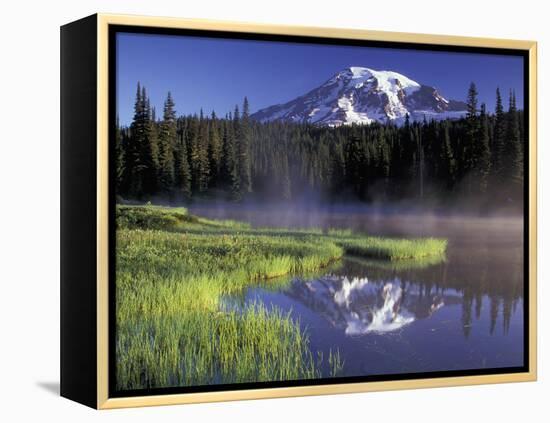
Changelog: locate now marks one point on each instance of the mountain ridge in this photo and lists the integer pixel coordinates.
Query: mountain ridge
(363, 95)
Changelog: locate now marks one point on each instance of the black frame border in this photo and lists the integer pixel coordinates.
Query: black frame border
(113, 30)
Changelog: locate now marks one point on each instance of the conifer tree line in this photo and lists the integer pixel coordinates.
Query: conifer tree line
(236, 158)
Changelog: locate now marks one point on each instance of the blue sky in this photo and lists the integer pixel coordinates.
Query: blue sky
(215, 74)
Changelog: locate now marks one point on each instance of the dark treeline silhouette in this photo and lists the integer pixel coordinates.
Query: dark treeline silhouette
(181, 158)
(472, 275)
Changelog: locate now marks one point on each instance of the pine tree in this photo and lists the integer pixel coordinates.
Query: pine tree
(355, 165)
(513, 147)
(148, 174)
(203, 161)
(499, 140)
(244, 149)
(286, 185)
(234, 163)
(337, 167)
(215, 151)
(154, 142)
(131, 165)
(183, 174)
(483, 154)
(384, 154)
(193, 146)
(227, 153)
(139, 160)
(418, 161)
(471, 102)
(472, 131)
(167, 142)
(119, 157)
(447, 159)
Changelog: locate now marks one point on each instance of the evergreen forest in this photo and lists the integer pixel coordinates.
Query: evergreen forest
(478, 158)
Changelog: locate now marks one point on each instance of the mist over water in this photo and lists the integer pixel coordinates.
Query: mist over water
(462, 312)
(371, 219)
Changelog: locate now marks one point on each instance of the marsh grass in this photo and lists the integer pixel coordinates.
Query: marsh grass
(393, 249)
(399, 265)
(173, 271)
(201, 347)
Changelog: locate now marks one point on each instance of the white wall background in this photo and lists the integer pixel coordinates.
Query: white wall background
(29, 209)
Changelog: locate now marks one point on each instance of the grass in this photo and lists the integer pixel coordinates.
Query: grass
(393, 249)
(399, 265)
(204, 347)
(173, 270)
(179, 220)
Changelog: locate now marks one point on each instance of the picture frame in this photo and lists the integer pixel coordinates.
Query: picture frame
(89, 109)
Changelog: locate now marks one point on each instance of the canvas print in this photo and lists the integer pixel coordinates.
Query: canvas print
(293, 211)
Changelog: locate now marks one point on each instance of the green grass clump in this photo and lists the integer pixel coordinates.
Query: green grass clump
(171, 328)
(393, 249)
(197, 348)
(152, 217)
(398, 265)
(173, 270)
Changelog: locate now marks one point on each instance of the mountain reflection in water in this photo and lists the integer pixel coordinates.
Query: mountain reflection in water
(459, 312)
(359, 306)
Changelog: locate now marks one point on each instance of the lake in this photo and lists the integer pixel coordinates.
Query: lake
(463, 312)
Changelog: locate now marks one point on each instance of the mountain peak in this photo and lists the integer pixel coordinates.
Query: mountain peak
(363, 95)
(363, 73)
(359, 72)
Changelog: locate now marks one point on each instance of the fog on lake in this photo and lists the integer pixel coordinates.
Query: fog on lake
(461, 312)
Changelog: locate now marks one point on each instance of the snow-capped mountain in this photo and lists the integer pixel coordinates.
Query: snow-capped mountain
(363, 95)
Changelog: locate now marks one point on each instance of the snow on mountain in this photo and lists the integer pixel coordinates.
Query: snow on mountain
(362, 95)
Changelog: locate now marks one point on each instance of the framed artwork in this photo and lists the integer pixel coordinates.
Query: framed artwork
(253, 211)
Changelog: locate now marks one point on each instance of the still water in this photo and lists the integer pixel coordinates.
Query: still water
(463, 312)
